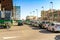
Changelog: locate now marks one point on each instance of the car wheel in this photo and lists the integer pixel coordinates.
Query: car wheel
(53, 30)
(43, 27)
(47, 29)
(40, 25)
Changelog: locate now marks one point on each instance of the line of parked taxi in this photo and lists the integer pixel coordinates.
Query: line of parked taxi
(51, 26)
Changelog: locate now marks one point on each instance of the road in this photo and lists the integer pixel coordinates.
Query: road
(26, 32)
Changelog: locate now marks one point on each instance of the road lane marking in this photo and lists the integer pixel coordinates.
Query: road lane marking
(10, 37)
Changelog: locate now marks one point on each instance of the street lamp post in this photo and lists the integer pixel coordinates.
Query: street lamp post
(30, 13)
(52, 11)
(37, 13)
(43, 12)
(42, 8)
(52, 6)
(33, 12)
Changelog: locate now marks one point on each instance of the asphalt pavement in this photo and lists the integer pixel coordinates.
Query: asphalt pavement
(27, 32)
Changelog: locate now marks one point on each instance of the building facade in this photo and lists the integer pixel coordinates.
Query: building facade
(31, 18)
(16, 12)
(6, 9)
(43, 15)
(6, 4)
(51, 15)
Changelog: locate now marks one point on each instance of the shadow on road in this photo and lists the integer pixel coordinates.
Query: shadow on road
(34, 28)
(15, 25)
(57, 37)
(45, 31)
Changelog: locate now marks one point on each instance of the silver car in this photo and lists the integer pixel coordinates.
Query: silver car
(54, 27)
(36, 23)
(45, 24)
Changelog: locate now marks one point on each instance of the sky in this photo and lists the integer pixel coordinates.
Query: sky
(28, 6)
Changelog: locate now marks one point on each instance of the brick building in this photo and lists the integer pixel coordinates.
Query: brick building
(6, 4)
(6, 9)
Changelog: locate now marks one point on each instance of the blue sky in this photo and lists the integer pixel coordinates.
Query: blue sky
(28, 6)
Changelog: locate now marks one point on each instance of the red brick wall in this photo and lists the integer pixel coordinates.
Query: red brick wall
(7, 4)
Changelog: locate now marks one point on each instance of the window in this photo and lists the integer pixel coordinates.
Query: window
(55, 15)
(3, 0)
(47, 22)
(43, 22)
(52, 24)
